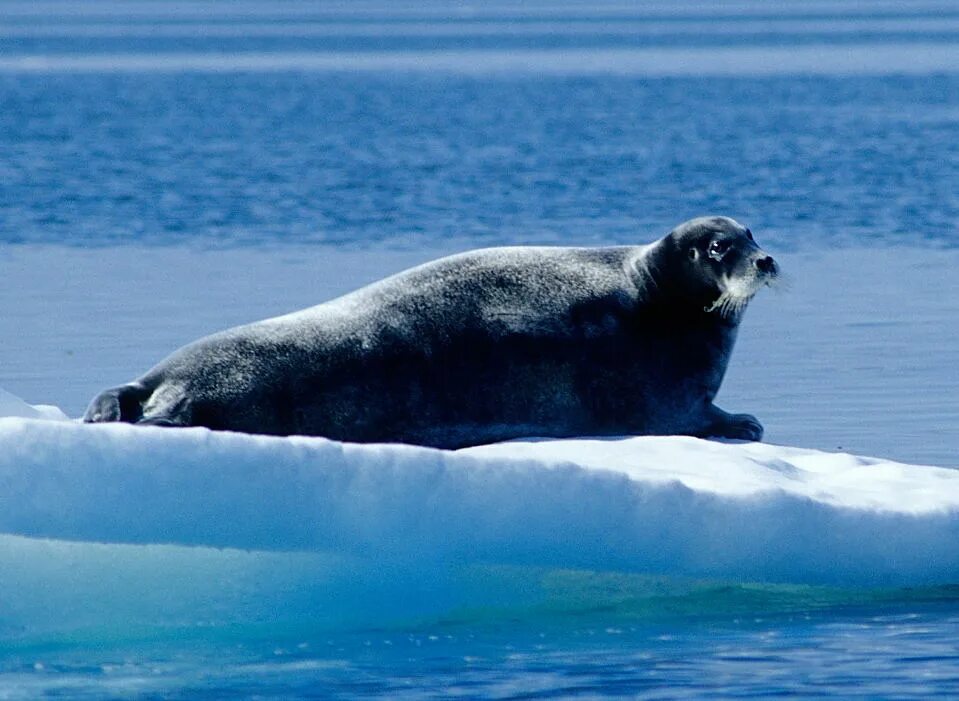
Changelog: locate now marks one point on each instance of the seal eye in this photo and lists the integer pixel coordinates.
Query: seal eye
(717, 249)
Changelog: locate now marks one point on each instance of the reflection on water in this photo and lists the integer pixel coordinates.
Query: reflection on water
(587, 634)
(903, 649)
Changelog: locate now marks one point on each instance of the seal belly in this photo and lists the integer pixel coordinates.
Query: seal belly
(443, 394)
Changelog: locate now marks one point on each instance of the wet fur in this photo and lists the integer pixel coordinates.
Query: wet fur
(476, 348)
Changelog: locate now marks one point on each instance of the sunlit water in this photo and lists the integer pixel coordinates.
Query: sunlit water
(167, 173)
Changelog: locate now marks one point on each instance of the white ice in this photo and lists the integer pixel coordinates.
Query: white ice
(11, 405)
(663, 505)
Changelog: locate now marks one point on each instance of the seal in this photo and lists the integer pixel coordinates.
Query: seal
(481, 347)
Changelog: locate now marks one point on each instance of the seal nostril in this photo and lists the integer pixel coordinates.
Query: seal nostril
(766, 265)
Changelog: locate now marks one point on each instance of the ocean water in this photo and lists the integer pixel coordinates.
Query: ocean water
(170, 170)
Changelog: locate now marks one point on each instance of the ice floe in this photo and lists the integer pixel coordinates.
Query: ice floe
(663, 505)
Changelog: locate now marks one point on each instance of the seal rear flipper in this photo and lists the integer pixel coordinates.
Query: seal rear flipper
(123, 403)
(168, 405)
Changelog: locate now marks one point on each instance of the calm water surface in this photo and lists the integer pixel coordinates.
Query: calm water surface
(168, 171)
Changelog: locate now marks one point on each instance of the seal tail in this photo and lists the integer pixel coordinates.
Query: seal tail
(123, 403)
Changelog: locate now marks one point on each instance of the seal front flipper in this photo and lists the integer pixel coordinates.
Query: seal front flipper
(172, 421)
(744, 427)
(123, 403)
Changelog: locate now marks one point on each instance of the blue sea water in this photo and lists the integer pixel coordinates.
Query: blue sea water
(207, 164)
(131, 149)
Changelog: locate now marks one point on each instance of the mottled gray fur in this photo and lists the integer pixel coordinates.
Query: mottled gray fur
(483, 346)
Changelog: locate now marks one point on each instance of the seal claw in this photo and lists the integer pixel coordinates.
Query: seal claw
(744, 427)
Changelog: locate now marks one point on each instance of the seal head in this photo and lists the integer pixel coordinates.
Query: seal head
(713, 261)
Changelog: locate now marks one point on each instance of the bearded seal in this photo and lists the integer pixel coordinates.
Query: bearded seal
(482, 347)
